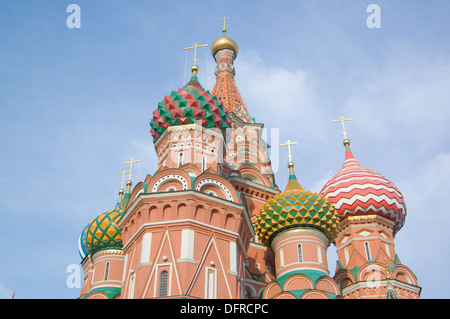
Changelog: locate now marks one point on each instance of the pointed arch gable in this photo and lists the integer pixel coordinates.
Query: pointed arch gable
(254, 173)
(327, 284)
(167, 175)
(404, 274)
(211, 251)
(138, 189)
(272, 289)
(207, 178)
(297, 282)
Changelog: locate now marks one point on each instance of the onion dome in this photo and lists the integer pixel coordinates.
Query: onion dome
(224, 42)
(82, 250)
(103, 232)
(190, 104)
(356, 190)
(296, 207)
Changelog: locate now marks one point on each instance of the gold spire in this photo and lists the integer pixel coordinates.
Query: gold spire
(194, 68)
(342, 120)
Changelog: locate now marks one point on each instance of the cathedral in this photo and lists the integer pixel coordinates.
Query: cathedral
(211, 222)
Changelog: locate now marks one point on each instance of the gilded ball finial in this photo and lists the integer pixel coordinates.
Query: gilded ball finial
(129, 183)
(194, 69)
(121, 191)
(346, 142)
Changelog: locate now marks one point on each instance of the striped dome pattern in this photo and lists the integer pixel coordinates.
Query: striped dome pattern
(356, 190)
(190, 104)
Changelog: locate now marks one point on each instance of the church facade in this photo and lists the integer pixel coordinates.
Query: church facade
(212, 223)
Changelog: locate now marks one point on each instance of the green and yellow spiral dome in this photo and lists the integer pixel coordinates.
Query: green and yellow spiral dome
(296, 207)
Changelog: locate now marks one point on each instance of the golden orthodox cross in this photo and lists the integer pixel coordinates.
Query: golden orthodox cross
(131, 166)
(196, 45)
(123, 176)
(342, 119)
(288, 144)
(224, 27)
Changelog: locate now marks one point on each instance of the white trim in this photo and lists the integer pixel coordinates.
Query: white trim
(145, 248)
(189, 221)
(194, 193)
(187, 244)
(233, 257)
(208, 283)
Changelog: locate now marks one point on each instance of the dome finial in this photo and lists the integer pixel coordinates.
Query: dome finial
(224, 42)
(121, 191)
(288, 144)
(194, 68)
(293, 182)
(129, 183)
(224, 29)
(346, 140)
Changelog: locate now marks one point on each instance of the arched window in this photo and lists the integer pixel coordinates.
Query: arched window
(204, 163)
(162, 284)
(347, 257)
(366, 245)
(180, 159)
(300, 253)
(319, 254)
(106, 271)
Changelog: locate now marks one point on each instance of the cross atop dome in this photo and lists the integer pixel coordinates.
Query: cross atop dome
(194, 68)
(224, 30)
(342, 120)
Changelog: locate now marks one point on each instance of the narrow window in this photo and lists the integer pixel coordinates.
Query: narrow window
(366, 245)
(204, 166)
(388, 252)
(131, 288)
(300, 253)
(106, 271)
(211, 288)
(281, 258)
(319, 254)
(163, 284)
(180, 159)
(347, 257)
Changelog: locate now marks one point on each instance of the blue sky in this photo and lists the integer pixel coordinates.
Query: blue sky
(76, 103)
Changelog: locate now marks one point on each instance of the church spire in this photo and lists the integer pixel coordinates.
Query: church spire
(224, 50)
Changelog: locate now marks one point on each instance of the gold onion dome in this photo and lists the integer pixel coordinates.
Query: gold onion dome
(296, 207)
(224, 42)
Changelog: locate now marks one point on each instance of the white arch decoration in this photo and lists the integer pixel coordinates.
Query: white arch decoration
(167, 178)
(210, 181)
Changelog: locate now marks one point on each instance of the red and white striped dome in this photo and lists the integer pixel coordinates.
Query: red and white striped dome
(356, 190)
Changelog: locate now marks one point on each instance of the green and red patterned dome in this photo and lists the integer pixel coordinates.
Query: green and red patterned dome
(188, 105)
(296, 207)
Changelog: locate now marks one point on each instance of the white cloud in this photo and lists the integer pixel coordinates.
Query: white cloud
(277, 96)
